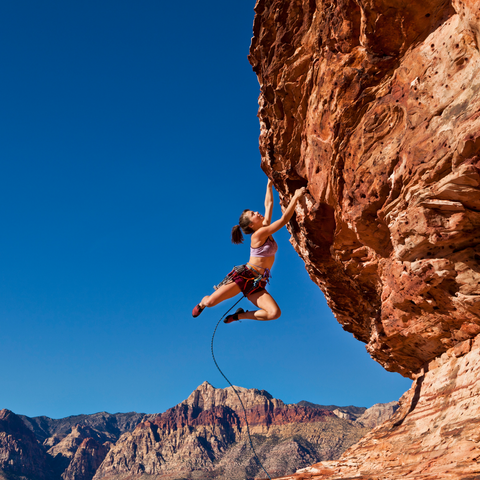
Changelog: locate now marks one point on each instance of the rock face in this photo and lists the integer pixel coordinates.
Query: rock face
(435, 434)
(205, 437)
(373, 105)
(20, 453)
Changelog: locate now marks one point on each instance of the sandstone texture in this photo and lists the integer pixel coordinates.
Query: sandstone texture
(434, 435)
(205, 437)
(374, 106)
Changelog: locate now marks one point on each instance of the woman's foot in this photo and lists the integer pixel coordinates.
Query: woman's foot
(197, 310)
(234, 316)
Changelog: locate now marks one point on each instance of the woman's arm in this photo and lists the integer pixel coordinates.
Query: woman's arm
(268, 203)
(264, 232)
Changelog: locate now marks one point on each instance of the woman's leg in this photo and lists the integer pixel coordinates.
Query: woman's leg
(223, 293)
(269, 310)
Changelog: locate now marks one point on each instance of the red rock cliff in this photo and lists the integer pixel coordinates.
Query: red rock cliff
(434, 435)
(374, 105)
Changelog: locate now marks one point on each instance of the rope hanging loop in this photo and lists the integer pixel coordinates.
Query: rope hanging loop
(234, 389)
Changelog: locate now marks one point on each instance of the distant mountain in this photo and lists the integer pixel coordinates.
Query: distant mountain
(20, 452)
(202, 438)
(351, 411)
(77, 445)
(368, 417)
(112, 425)
(377, 414)
(205, 437)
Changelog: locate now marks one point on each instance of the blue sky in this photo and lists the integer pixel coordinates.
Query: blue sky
(129, 147)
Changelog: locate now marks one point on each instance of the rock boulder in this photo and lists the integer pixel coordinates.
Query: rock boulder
(374, 107)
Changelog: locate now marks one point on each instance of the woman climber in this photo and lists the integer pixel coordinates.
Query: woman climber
(252, 278)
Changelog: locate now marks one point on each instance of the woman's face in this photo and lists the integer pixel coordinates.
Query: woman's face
(256, 219)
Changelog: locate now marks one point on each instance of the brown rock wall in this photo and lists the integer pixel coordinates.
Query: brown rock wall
(374, 106)
(434, 435)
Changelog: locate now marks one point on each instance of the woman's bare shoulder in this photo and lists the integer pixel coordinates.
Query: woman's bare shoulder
(259, 237)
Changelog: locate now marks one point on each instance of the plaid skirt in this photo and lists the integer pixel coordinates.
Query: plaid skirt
(248, 279)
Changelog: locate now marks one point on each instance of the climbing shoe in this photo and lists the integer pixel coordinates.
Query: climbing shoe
(233, 317)
(197, 310)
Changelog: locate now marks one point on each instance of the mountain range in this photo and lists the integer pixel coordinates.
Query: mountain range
(203, 437)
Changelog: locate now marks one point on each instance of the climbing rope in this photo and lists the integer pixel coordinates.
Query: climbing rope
(234, 389)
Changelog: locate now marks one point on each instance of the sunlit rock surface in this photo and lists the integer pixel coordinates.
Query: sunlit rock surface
(434, 435)
(375, 107)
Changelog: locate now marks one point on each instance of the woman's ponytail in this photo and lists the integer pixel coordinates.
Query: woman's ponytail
(243, 225)
(237, 236)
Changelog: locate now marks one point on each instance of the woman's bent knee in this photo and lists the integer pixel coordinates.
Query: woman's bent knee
(208, 302)
(274, 314)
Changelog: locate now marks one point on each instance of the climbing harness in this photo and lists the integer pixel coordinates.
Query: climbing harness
(255, 284)
(247, 277)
